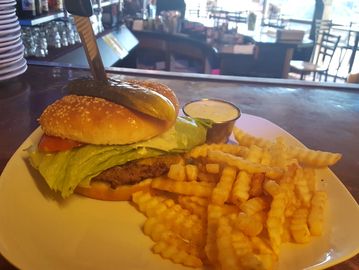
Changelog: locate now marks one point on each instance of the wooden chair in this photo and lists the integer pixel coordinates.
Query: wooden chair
(346, 44)
(168, 52)
(152, 50)
(322, 56)
(199, 56)
(353, 78)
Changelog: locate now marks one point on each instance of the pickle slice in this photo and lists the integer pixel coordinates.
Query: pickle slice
(127, 94)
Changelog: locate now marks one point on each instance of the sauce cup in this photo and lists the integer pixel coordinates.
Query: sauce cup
(223, 114)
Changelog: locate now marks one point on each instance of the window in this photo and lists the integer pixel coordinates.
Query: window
(345, 11)
(294, 9)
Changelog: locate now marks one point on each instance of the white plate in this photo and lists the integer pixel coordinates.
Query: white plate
(10, 37)
(10, 42)
(12, 58)
(7, 16)
(12, 30)
(9, 47)
(7, 11)
(9, 26)
(8, 4)
(17, 50)
(15, 66)
(8, 20)
(14, 73)
(40, 231)
(17, 61)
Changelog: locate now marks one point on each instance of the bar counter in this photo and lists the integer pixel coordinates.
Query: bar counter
(321, 116)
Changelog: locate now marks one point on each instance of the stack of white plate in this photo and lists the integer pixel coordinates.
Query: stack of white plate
(12, 61)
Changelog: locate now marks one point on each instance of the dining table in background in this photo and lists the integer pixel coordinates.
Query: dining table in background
(321, 115)
(270, 58)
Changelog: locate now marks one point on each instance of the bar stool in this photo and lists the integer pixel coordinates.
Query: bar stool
(323, 58)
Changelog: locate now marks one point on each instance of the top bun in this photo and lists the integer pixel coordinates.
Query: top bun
(98, 121)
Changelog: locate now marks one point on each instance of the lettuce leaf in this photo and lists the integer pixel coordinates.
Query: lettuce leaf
(64, 171)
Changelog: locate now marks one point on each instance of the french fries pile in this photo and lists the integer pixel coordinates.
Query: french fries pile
(232, 206)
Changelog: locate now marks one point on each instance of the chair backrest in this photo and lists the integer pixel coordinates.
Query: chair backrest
(172, 52)
(326, 50)
(350, 38)
(201, 54)
(322, 26)
(151, 50)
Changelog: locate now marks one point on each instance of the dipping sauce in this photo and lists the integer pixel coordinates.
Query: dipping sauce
(222, 113)
(216, 110)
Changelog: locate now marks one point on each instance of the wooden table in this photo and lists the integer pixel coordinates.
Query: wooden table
(322, 116)
(271, 57)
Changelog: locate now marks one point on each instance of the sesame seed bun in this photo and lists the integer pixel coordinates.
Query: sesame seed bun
(98, 121)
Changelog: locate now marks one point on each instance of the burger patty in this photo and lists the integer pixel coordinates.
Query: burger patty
(135, 171)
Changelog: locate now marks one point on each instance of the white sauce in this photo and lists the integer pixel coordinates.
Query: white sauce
(214, 110)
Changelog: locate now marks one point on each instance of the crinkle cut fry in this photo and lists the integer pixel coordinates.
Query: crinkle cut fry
(212, 168)
(191, 172)
(226, 256)
(303, 155)
(298, 226)
(223, 188)
(195, 208)
(302, 187)
(316, 213)
(249, 225)
(214, 213)
(275, 220)
(313, 158)
(246, 139)
(242, 184)
(158, 231)
(241, 243)
(186, 188)
(180, 220)
(177, 172)
(171, 252)
(202, 150)
(150, 205)
(254, 205)
(242, 164)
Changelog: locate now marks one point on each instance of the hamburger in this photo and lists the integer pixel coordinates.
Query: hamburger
(103, 150)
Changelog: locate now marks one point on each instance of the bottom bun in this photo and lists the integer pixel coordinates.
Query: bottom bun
(103, 191)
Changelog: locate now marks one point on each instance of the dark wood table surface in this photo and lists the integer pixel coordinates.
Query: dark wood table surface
(322, 116)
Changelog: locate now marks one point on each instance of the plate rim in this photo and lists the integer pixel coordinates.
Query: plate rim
(8, 20)
(9, 42)
(17, 50)
(6, 11)
(5, 16)
(11, 46)
(10, 37)
(10, 31)
(7, 4)
(15, 66)
(10, 25)
(12, 58)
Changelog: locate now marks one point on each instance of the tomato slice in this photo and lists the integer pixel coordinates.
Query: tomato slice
(56, 144)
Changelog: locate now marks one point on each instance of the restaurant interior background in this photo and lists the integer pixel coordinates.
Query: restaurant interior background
(254, 38)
